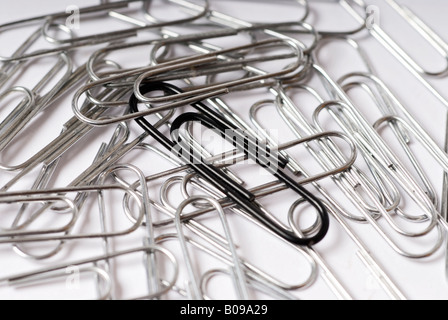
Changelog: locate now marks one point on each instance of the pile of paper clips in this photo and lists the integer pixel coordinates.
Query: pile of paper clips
(221, 146)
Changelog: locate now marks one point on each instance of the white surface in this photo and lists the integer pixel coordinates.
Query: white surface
(417, 279)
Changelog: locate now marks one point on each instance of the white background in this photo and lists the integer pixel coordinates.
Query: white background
(417, 279)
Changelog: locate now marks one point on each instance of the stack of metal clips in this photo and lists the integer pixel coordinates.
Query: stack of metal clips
(223, 150)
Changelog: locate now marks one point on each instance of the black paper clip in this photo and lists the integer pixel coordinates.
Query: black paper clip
(247, 144)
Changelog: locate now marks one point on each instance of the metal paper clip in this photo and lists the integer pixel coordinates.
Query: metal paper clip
(333, 206)
(327, 274)
(380, 163)
(19, 229)
(348, 6)
(444, 198)
(373, 199)
(85, 265)
(126, 32)
(268, 188)
(203, 47)
(226, 20)
(96, 274)
(295, 52)
(366, 257)
(232, 22)
(49, 20)
(386, 103)
(34, 236)
(119, 93)
(423, 29)
(29, 108)
(237, 272)
(329, 157)
(73, 131)
(396, 115)
(329, 277)
(389, 105)
(41, 183)
(222, 182)
(162, 207)
(263, 287)
(378, 33)
(223, 255)
(355, 121)
(21, 53)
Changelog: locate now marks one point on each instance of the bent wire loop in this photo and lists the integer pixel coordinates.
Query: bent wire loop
(73, 131)
(226, 20)
(237, 271)
(217, 245)
(401, 121)
(438, 44)
(326, 273)
(329, 157)
(197, 61)
(387, 104)
(46, 235)
(65, 45)
(399, 53)
(379, 205)
(223, 255)
(234, 191)
(348, 6)
(378, 197)
(380, 163)
(330, 278)
(268, 188)
(368, 139)
(390, 106)
(195, 42)
(29, 108)
(425, 31)
(53, 276)
(88, 265)
(40, 184)
(260, 286)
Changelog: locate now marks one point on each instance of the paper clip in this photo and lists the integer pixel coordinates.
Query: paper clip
(379, 163)
(49, 21)
(401, 120)
(328, 157)
(41, 236)
(207, 92)
(223, 255)
(391, 109)
(379, 205)
(33, 102)
(295, 53)
(317, 262)
(263, 287)
(348, 6)
(383, 38)
(55, 272)
(333, 206)
(423, 29)
(72, 132)
(326, 273)
(444, 197)
(234, 191)
(237, 271)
